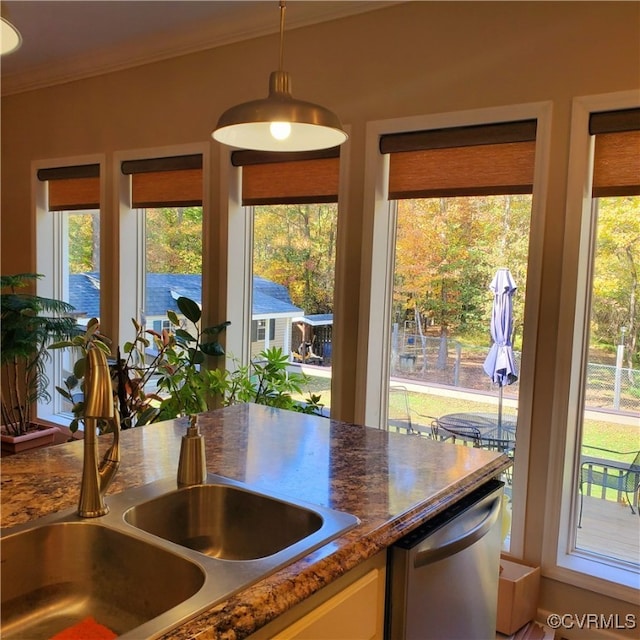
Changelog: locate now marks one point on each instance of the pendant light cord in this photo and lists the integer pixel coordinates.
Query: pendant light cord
(283, 8)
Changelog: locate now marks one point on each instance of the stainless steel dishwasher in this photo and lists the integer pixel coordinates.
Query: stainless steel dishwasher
(443, 576)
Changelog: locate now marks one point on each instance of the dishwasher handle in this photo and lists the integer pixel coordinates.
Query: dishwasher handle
(429, 556)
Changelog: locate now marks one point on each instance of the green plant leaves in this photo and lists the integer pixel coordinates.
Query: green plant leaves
(216, 329)
(30, 323)
(80, 367)
(184, 385)
(184, 335)
(189, 308)
(214, 349)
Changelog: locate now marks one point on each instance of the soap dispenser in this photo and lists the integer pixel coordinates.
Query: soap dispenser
(192, 467)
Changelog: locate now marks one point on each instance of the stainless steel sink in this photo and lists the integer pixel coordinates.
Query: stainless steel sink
(158, 558)
(224, 521)
(56, 574)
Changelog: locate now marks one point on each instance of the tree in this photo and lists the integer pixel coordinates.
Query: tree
(174, 240)
(615, 279)
(84, 242)
(447, 250)
(295, 245)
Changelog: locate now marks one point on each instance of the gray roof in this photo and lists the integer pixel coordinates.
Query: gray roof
(270, 298)
(163, 289)
(84, 293)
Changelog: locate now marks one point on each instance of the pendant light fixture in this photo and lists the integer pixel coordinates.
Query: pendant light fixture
(10, 38)
(279, 122)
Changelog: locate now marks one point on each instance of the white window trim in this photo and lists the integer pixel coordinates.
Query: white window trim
(239, 265)
(375, 325)
(49, 232)
(240, 261)
(560, 560)
(131, 233)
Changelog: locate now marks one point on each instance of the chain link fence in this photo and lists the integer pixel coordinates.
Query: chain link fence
(610, 387)
(451, 363)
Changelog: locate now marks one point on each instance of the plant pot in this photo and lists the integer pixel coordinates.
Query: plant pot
(39, 437)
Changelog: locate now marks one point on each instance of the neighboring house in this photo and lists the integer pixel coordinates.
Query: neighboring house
(273, 310)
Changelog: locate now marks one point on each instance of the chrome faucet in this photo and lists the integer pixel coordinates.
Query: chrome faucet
(98, 405)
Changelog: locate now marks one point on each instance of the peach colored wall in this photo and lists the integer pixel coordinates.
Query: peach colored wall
(410, 59)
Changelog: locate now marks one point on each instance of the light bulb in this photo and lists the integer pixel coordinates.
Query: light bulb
(280, 130)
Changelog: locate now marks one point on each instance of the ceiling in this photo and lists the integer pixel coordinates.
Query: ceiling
(65, 40)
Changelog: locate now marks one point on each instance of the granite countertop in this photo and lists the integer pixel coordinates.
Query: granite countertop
(391, 482)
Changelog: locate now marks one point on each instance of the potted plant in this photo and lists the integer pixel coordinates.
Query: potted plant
(265, 380)
(29, 323)
(172, 358)
(183, 387)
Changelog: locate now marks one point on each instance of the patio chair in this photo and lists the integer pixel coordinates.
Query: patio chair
(627, 479)
(400, 414)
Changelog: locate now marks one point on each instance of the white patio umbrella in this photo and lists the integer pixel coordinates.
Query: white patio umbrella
(499, 364)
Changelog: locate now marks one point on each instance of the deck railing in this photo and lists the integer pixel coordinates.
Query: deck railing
(612, 479)
(605, 479)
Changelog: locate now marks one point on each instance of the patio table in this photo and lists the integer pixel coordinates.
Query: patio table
(482, 429)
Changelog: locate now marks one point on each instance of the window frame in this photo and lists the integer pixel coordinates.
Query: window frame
(240, 232)
(239, 264)
(560, 559)
(49, 252)
(374, 333)
(121, 237)
(131, 268)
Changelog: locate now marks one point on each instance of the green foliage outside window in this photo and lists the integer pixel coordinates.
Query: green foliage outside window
(616, 284)
(447, 252)
(295, 245)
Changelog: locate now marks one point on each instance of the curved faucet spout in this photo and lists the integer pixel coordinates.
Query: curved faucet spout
(98, 405)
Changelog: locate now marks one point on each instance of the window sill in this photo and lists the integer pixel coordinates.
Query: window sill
(599, 575)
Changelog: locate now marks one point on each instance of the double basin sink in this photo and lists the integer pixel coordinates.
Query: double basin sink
(158, 558)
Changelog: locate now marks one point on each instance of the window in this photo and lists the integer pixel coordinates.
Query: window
(288, 234)
(260, 335)
(455, 201)
(162, 325)
(163, 229)
(597, 527)
(462, 208)
(159, 249)
(609, 473)
(69, 253)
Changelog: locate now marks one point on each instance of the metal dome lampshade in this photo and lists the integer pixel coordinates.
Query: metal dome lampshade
(10, 38)
(279, 122)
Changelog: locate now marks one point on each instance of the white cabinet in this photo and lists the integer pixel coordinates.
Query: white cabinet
(351, 608)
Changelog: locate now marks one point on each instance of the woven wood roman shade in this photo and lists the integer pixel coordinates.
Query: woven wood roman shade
(288, 178)
(616, 170)
(72, 188)
(477, 160)
(165, 182)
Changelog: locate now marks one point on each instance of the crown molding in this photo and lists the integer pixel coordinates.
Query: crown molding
(158, 47)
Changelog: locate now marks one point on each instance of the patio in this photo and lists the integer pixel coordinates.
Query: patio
(609, 528)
